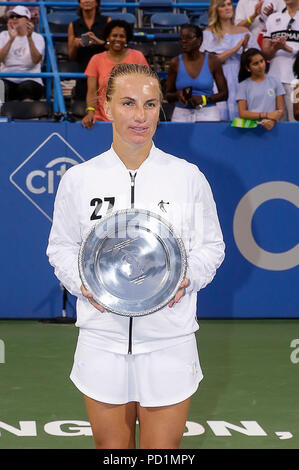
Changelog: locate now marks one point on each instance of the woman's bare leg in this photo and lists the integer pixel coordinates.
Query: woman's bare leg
(113, 426)
(162, 427)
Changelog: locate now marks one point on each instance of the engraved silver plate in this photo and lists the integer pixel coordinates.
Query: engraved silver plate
(132, 262)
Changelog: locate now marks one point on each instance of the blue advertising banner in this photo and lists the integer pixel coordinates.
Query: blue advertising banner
(254, 177)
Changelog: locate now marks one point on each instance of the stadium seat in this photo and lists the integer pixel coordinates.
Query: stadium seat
(164, 51)
(147, 8)
(67, 84)
(59, 20)
(118, 15)
(144, 47)
(107, 7)
(193, 12)
(64, 7)
(77, 110)
(167, 49)
(68, 66)
(26, 110)
(147, 49)
(203, 19)
(156, 4)
(61, 49)
(169, 20)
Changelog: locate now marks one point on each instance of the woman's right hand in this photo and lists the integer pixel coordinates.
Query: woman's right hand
(78, 42)
(89, 120)
(245, 41)
(90, 299)
(238, 45)
(94, 39)
(242, 43)
(181, 98)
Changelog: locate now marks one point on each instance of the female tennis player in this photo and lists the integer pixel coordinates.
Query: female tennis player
(147, 367)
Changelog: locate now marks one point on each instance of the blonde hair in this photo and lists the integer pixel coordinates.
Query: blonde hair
(214, 19)
(122, 70)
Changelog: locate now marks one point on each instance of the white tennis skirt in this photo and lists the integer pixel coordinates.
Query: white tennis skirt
(157, 378)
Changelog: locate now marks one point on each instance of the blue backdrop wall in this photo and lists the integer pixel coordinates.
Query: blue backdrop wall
(254, 178)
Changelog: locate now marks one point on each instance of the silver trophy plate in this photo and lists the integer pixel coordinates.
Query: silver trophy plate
(132, 262)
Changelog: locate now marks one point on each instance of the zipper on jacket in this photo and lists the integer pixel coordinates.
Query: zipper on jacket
(130, 335)
(132, 176)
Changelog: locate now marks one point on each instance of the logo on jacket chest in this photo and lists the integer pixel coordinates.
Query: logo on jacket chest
(163, 205)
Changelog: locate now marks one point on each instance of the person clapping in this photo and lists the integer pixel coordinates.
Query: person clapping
(21, 51)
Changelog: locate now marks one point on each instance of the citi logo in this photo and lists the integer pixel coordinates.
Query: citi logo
(39, 181)
(38, 176)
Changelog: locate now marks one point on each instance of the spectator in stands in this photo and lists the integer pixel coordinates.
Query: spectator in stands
(21, 51)
(260, 96)
(91, 24)
(33, 10)
(117, 34)
(227, 41)
(280, 45)
(296, 88)
(253, 13)
(195, 71)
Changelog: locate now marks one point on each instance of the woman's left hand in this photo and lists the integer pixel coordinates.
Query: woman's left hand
(195, 101)
(245, 41)
(268, 124)
(93, 39)
(179, 293)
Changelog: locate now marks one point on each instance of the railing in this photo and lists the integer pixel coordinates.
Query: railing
(52, 74)
(136, 4)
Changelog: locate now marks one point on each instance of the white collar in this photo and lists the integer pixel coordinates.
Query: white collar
(118, 161)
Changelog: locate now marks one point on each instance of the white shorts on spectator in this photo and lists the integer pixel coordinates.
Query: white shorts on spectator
(211, 113)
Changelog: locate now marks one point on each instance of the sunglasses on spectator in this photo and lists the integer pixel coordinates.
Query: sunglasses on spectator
(16, 16)
(290, 23)
(187, 38)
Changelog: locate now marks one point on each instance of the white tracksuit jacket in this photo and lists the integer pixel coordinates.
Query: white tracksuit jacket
(164, 184)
